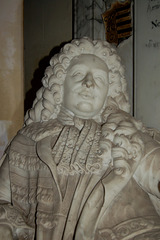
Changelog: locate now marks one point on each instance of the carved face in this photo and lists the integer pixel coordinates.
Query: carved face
(86, 86)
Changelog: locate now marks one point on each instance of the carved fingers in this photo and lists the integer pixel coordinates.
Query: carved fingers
(12, 225)
(127, 152)
(127, 145)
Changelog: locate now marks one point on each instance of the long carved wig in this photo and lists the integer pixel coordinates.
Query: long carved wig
(49, 97)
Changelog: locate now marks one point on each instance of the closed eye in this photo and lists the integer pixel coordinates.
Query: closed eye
(78, 75)
(99, 80)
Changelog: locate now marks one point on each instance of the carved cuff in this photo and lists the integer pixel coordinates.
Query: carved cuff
(14, 222)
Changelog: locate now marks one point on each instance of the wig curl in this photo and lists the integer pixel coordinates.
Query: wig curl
(49, 97)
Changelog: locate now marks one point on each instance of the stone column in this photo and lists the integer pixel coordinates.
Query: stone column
(11, 69)
(88, 18)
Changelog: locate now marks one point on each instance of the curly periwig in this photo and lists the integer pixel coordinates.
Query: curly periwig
(49, 97)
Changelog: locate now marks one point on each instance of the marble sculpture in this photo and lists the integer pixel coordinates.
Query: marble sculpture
(81, 167)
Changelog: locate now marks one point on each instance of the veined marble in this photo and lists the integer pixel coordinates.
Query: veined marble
(88, 19)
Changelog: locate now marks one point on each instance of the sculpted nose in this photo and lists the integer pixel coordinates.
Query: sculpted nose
(88, 80)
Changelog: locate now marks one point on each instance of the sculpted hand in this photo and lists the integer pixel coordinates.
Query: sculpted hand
(5, 233)
(12, 225)
(125, 133)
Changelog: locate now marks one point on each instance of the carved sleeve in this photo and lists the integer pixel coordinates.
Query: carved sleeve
(5, 192)
(12, 224)
(147, 174)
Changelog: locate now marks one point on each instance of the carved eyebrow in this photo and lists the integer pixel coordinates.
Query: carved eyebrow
(100, 71)
(77, 67)
(83, 66)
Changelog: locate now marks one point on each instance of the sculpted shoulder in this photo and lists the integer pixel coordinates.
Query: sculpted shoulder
(39, 130)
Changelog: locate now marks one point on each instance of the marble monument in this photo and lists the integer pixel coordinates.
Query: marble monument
(81, 167)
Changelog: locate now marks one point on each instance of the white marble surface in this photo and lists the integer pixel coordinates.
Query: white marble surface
(79, 154)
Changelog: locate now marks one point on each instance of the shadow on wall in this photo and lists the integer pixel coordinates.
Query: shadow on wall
(37, 77)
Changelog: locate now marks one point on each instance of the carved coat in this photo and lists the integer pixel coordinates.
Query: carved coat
(53, 177)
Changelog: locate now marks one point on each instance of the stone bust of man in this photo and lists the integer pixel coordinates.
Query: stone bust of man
(81, 167)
